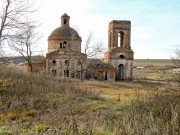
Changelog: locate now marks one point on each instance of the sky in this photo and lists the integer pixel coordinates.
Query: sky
(155, 24)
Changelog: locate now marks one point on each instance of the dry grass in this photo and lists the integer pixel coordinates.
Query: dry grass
(35, 104)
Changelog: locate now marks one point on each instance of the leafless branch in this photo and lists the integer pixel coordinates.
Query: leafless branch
(14, 17)
(24, 42)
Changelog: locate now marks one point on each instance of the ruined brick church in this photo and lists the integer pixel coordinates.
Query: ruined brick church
(64, 57)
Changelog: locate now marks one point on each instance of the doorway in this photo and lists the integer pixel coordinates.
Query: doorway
(120, 75)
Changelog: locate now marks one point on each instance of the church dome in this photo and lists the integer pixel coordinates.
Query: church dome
(64, 32)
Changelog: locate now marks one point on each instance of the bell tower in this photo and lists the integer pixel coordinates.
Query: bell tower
(65, 20)
(119, 52)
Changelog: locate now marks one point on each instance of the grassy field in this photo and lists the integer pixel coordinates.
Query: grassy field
(145, 62)
(36, 104)
(153, 69)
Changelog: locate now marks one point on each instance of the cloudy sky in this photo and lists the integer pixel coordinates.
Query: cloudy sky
(155, 31)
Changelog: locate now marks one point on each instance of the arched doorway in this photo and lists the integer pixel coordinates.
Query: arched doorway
(120, 75)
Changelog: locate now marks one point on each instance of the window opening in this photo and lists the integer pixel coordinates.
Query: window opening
(121, 39)
(106, 75)
(121, 56)
(64, 21)
(66, 62)
(66, 73)
(60, 45)
(64, 44)
(54, 61)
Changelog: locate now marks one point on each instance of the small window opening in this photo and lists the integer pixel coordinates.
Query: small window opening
(64, 44)
(60, 45)
(64, 21)
(121, 56)
(66, 62)
(106, 75)
(54, 61)
(66, 73)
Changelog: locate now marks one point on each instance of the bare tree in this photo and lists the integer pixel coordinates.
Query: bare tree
(13, 16)
(25, 42)
(91, 50)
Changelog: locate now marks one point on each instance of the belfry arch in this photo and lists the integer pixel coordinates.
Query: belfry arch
(121, 38)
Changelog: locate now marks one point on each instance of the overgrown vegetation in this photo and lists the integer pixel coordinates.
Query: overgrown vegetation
(35, 104)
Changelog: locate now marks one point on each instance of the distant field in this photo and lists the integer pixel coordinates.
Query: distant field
(145, 62)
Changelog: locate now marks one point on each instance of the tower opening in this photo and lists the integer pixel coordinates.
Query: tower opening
(64, 21)
(121, 39)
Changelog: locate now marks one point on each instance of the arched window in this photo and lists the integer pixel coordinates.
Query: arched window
(64, 21)
(121, 56)
(66, 73)
(66, 62)
(54, 62)
(64, 44)
(121, 39)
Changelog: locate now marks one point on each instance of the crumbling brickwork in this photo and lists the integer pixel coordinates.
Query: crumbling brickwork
(64, 53)
(119, 52)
